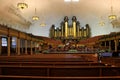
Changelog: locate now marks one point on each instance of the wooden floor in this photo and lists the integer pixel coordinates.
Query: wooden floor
(56, 67)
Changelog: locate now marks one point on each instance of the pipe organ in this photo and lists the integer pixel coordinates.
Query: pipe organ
(67, 31)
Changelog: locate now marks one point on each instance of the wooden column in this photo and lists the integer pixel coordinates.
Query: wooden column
(0, 45)
(8, 45)
(18, 46)
(21, 46)
(26, 47)
(105, 43)
(116, 44)
(31, 46)
(35, 45)
(110, 45)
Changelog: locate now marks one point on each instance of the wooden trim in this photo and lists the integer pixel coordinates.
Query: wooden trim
(60, 78)
(13, 32)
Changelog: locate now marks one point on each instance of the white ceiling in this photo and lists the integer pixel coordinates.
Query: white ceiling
(53, 12)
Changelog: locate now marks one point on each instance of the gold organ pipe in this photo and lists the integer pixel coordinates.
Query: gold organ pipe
(84, 32)
(70, 31)
(59, 33)
(87, 32)
(62, 31)
(74, 29)
(80, 33)
(55, 34)
(66, 29)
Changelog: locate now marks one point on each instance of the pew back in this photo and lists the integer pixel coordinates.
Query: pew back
(60, 71)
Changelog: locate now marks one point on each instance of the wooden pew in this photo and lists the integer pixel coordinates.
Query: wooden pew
(53, 63)
(36, 67)
(60, 71)
(111, 60)
(92, 57)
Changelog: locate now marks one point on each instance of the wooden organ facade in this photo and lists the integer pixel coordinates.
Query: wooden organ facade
(66, 31)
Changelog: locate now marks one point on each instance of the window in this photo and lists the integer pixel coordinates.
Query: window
(4, 41)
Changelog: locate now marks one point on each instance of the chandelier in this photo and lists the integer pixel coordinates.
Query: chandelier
(22, 5)
(101, 23)
(42, 24)
(112, 16)
(35, 18)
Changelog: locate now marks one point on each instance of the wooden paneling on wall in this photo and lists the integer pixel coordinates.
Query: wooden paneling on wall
(12, 32)
(3, 30)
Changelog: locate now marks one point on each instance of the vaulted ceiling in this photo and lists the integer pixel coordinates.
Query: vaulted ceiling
(53, 11)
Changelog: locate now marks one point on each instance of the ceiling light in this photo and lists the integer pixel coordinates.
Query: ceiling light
(112, 16)
(75, 0)
(35, 18)
(101, 23)
(71, 0)
(67, 0)
(42, 24)
(22, 5)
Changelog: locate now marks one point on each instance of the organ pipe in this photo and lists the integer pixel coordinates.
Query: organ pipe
(74, 31)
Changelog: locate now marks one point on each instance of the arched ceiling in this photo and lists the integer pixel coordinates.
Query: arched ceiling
(53, 12)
